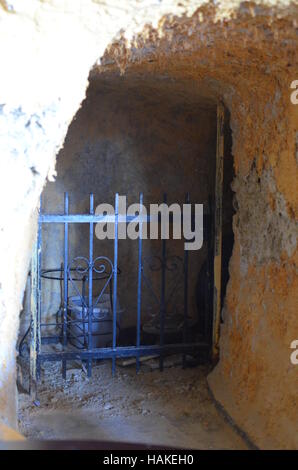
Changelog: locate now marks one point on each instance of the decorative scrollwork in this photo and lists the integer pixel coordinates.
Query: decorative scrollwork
(78, 270)
(77, 266)
(101, 265)
(80, 267)
(172, 264)
(155, 263)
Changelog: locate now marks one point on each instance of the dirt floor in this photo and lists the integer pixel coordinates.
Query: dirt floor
(171, 408)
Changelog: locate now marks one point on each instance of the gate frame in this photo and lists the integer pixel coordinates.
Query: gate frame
(37, 357)
(218, 231)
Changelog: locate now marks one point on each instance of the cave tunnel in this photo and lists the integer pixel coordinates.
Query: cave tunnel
(148, 343)
(133, 134)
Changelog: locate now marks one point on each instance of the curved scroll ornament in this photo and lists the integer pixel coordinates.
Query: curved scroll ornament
(171, 264)
(79, 266)
(78, 270)
(155, 263)
(103, 266)
(174, 264)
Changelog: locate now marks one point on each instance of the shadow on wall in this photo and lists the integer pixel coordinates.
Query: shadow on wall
(129, 139)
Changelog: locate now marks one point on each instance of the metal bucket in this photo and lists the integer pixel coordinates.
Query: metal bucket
(102, 322)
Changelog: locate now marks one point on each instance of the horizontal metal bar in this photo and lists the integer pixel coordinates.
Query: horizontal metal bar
(123, 351)
(51, 339)
(87, 218)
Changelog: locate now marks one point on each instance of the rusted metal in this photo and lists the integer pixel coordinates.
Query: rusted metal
(34, 315)
(69, 329)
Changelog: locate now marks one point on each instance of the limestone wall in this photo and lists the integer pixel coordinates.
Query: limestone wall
(243, 53)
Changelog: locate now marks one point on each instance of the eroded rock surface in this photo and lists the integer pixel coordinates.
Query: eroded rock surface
(241, 52)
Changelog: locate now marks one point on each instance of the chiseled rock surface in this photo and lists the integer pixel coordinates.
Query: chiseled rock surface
(246, 54)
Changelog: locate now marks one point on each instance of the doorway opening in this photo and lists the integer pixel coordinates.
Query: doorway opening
(132, 135)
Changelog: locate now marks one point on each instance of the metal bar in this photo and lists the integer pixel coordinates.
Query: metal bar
(185, 319)
(64, 330)
(50, 339)
(148, 284)
(113, 352)
(125, 351)
(140, 267)
(38, 323)
(163, 294)
(115, 280)
(70, 321)
(218, 230)
(90, 286)
(205, 287)
(87, 218)
(34, 314)
(83, 309)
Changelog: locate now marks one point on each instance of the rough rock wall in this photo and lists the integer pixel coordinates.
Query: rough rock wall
(243, 53)
(47, 50)
(251, 71)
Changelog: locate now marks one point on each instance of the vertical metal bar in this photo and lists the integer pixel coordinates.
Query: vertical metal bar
(38, 332)
(207, 286)
(115, 280)
(90, 286)
(65, 276)
(185, 319)
(163, 293)
(34, 314)
(209, 227)
(218, 230)
(85, 343)
(140, 267)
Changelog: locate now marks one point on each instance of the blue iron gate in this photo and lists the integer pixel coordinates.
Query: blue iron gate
(87, 271)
